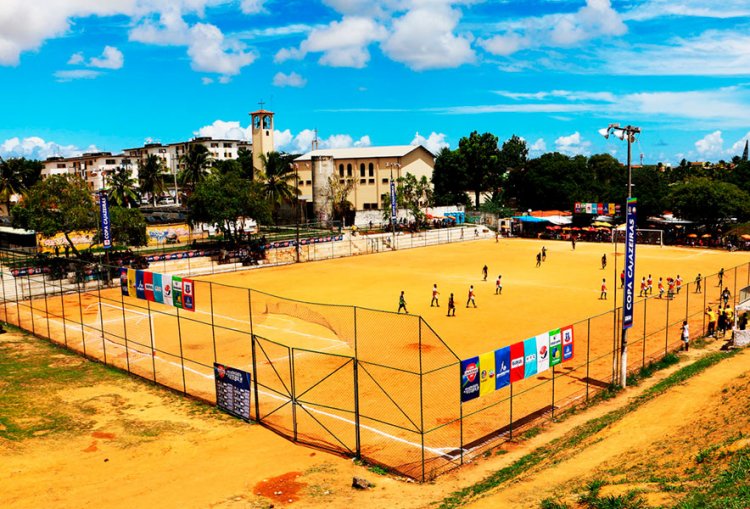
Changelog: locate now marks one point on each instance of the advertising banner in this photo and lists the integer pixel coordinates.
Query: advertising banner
(232, 390)
(188, 294)
(124, 281)
(555, 348)
(486, 373)
(158, 289)
(629, 290)
(567, 342)
(542, 352)
(529, 361)
(502, 367)
(140, 287)
(167, 293)
(177, 291)
(516, 362)
(588, 208)
(469, 379)
(131, 283)
(104, 220)
(148, 283)
(394, 213)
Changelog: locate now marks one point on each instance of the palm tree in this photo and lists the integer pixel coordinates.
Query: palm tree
(150, 176)
(196, 161)
(122, 188)
(278, 178)
(11, 180)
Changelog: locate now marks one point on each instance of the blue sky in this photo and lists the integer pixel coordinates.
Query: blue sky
(80, 75)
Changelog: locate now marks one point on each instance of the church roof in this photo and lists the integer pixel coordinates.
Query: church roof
(363, 152)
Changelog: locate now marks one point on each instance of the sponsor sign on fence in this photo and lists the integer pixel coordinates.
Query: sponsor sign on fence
(162, 288)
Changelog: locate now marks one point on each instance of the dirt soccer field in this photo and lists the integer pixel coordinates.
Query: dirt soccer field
(564, 290)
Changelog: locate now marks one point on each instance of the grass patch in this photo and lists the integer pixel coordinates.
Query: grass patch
(558, 448)
(730, 489)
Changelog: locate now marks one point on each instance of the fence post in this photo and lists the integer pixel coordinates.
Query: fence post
(510, 425)
(62, 306)
(31, 301)
(645, 305)
(421, 395)
(294, 391)
(2, 280)
(182, 356)
(666, 332)
(213, 328)
(153, 343)
(357, 435)
(18, 302)
(704, 306)
(588, 356)
(46, 306)
(553, 393)
(252, 352)
(125, 332)
(101, 315)
(80, 311)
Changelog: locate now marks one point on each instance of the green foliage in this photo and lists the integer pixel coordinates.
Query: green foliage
(196, 162)
(549, 503)
(225, 200)
(17, 175)
(730, 489)
(245, 160)
(151, 176)
(128, 227)
(449, 179)
(481, 159)
(278, 178)
(121, 188)
(60, 203)
(708, 201)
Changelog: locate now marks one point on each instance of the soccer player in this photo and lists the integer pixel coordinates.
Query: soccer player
(604, 261)
(435, 294)
(698, 280)
(685, 335)
(499, 285)
(451, 306)
(470, 299)
(660, 286)
(721, 277)
(402, 303)
(678, 283)
(544, 254)
(650, 285)
(539, 259)
(573, 241)
(603, 294)
(711, 322)
(644, 288)
(622, 278)
(670, 288)
(484, 273)
(725, 296)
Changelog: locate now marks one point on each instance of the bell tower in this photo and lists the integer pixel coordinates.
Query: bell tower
(262, 129)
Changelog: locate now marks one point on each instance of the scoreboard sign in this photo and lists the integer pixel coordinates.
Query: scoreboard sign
(232, 391)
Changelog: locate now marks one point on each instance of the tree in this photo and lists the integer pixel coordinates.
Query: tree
(245, 160)
(196, 162)
(415, 194)
(121, 190)
(278, 178)
(60, 203)
(128, 227)
(512, 159)
(225, 200)
(449, 178)
(151, 176)
(709, 202)
(337, 195)
(481, 158)
(11, 180)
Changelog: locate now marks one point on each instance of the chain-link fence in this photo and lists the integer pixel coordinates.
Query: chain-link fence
(355, 381)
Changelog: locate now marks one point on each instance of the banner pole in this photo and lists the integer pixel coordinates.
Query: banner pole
(666, 332)
(588, 356)
(252, 351)
(357, 434)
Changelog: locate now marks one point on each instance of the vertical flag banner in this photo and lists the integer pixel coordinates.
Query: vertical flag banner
(555, 348)
(486, 373)
(502, 367)
(542, 352)
(167, 293)
(140, 287)
(529, 361)
(131, 283)
(188, 294)
(148, 283)
(588, 208)
(516, 362)
(629, 291)
(567, 343)
(469, 379)
(177, 291)
(104, 220)
(124, 281)
(158, 289)
(394, 213)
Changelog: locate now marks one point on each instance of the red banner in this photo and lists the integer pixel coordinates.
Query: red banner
(516, 362)
(148, 282)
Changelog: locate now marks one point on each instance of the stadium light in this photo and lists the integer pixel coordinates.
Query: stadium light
(628, 133)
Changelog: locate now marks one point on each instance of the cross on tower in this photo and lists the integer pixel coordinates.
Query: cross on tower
(261, 104)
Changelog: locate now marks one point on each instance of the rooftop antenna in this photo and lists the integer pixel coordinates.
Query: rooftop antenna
(315, 140)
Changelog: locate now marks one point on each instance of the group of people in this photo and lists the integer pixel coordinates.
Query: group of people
(719, 321)
(470, 300)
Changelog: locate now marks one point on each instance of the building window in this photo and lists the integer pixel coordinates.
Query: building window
(227, 145)
(348, 170)
(61, 165)
(341, 170)
(214, 145)
(110, 161)
(363, 181)
(126, 161)
(362, 170)
(372, 170)
(385, 181)
(309, 182)
(162, 151)
(372, 181)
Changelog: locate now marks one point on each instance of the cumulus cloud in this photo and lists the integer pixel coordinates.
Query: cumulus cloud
(166, 28)
(34, 147)
(739, 146)
(710, 144)
(342, 43)
(77, 74)
(76, 58)
(302, 141)
(225, 130)
(539, 146)
(424, 38)
(434, 142)
(210, 51)
(252, 6)
(111, 58)
(289, 80)
(572, 144)
(651, 9)
(594, 20)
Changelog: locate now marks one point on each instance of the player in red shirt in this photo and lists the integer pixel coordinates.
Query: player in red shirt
(644, 288)
(435, 294)
(650, 285)
(471, 297)
(678, 283)
(603, 295)
(660, 286)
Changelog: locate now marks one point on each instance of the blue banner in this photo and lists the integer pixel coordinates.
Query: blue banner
(629, 290)
(469, 379)
(394, 213)
(232, 390)
(140, 285)
(158, 289)
(104, 220)
(529, 362)
(502, 367)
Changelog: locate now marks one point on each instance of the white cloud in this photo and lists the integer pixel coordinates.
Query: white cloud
(424, 38)
(282, 138)
(342, 43)
(78, 74)
(302, 141)
(111, 58)
(225, 130)
(34, 147)
(710, 144)
(572, 144)
(289, 80)
(739, 146)
(364, 141)
(688, 8)
(210, 51)
(206, 80)
(594, 20)
(252, 6)
(539, 146)
(170, 29)
(434, 142)
(76, 58)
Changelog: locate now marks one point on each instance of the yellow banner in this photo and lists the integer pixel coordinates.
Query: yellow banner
(131, 282)
(486, 373)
